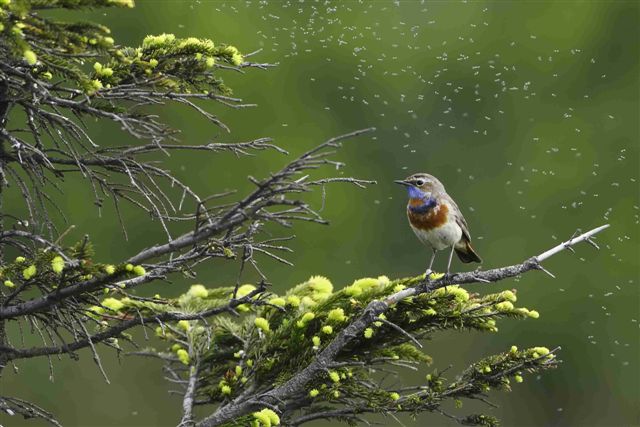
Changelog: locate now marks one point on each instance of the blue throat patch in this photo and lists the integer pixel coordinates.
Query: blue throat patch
(428, 202)
(416, 193)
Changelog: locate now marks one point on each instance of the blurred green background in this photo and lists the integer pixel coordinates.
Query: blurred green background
(527, 111)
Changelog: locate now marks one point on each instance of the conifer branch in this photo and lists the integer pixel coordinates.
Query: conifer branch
(115, 331)
(227, 221)
(296, 386)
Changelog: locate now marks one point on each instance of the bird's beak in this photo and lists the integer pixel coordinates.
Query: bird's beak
(401, 182)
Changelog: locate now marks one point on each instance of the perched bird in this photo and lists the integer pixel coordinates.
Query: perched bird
(436, 219)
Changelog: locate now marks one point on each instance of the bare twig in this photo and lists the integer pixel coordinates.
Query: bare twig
(188, 398)
(13, 406)
(251, 211)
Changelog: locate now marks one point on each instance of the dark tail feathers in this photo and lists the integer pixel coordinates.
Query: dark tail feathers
(466, 253)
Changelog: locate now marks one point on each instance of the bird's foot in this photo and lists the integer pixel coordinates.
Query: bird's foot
(446, 276)
(427, 274)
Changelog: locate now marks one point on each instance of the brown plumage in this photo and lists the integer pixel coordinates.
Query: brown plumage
(434, 218)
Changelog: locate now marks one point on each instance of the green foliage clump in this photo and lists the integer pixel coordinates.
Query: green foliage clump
(276, 336)
(170, 62)
(47, 271)
(57, 51)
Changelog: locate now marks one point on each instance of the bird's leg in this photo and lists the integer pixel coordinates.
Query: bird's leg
(449, 265)
(450, 258)
(429, 271)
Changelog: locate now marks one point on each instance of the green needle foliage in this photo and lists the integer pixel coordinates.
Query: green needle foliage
(55, 74)
(275, 337)
(85, 55)
(254, 357)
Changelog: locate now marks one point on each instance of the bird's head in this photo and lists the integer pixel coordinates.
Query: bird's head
(421, 185)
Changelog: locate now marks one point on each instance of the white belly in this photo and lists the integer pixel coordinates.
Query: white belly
(440, 238)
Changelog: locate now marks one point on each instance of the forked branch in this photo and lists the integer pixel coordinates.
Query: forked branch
(278, 397)
(232, 226)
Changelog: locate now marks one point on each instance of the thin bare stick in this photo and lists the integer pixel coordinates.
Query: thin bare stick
(188, 399)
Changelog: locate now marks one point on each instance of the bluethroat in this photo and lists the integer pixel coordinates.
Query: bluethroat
(436, 219)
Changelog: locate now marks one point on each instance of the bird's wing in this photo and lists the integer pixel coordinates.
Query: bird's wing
(462, 223)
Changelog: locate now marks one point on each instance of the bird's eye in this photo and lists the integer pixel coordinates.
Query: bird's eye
(419, 182)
